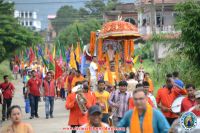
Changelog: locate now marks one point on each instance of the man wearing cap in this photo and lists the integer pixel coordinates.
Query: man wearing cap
(177, 80)
(143, 118)
(196, 108)
(166, 96)
(119, 101)
(94, 117)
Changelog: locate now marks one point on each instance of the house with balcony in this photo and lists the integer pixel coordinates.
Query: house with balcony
(126, 12)
(28, 19)
(164, 16)
(139, 13)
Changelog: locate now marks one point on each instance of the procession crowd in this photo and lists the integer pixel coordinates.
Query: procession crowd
(94, 102)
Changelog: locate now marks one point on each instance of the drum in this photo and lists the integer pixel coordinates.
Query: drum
(176, 105)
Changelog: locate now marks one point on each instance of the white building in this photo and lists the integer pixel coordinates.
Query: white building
(28, 19)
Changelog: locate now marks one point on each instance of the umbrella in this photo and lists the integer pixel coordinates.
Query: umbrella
(119, 30)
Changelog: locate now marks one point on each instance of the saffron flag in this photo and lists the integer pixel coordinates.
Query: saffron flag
(58, 71)
(72, 59)
(135, 59)
(54, 52)
(78, 53)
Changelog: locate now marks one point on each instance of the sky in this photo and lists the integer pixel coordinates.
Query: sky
(49, 7)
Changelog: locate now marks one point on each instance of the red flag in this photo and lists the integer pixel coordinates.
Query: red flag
(17, 59)
(58, 70)
(31, 56)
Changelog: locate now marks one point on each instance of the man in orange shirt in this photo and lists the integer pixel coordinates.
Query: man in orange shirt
(196, 108)
(76, 117)
(189, 101)
(77, 78)
(166, 96)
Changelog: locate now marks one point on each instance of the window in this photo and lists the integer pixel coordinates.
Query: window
(30, 23)
(23, 23)
(30, 14)
(26, 23)
(130, 20)
(26, 14)
(22, 14)
(158, 19)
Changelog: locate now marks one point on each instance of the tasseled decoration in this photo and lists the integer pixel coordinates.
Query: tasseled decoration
(100, 46)
(100, 54)
(131, 47)
(92, 42)
(117, 66)
(126, 50)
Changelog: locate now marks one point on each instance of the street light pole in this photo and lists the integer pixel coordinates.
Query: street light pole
(154, 30)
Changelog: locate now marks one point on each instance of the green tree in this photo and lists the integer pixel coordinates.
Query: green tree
(188, 19)
(70, 36)
(95, 7)
(66, 15)
(12, 35)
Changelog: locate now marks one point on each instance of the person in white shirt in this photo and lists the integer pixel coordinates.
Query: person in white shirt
(93, 74)
(131, 82)
(151, 96)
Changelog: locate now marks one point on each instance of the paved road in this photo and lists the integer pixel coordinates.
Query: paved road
(42, 125)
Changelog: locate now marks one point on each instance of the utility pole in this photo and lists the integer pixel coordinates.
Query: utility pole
(154, 30)
(162, 16)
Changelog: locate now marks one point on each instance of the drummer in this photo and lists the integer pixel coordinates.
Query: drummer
(165, 97)
(196, 108)
(189, 101)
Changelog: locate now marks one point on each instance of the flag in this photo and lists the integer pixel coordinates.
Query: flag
(78, 53)
(54, 52)
(40, 51)
(31, 56)
(135, 59)
(67, 55)
(79, 36)
(61, 60)
(84, 65)
(72, 59)
(58, 71)
(58, 49)
(62, 52)
(50, 57)
(92, 42)
(51, 66)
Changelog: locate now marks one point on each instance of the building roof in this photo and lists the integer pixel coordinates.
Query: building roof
(51, 16)
(160, 1)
